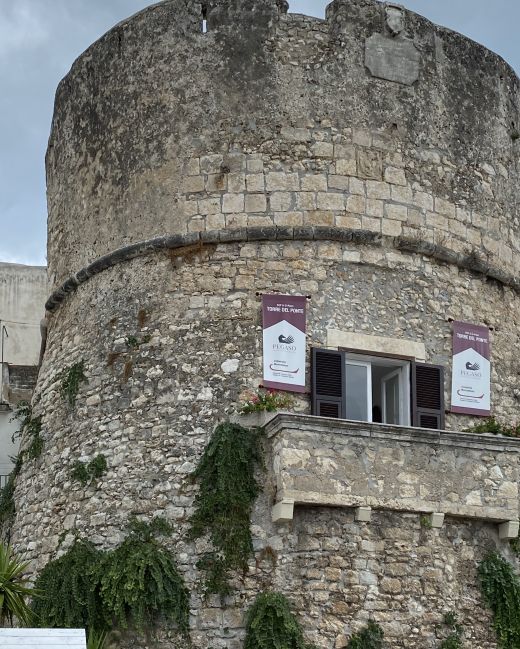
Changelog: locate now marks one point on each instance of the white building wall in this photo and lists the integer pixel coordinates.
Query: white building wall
(23, 291)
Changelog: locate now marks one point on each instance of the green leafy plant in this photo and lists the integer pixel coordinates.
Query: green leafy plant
(30, 427)
(270, 623)
(71, 378)
(501, 590)
(7, 504)
(514, 544)
(491, 425)
(97, 640)
(265, 401)
(87, 472)
(426, 522)
(133, 343)
(371, 637)
(140, 581)
(228, 489)
(14, 590)
(454, 640)
(70, 587)
(130, 586)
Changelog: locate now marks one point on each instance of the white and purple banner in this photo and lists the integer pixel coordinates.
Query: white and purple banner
(471, 375)
(284, 321)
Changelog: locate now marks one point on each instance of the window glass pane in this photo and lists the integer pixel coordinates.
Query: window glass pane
(357, 395)
(392, 400)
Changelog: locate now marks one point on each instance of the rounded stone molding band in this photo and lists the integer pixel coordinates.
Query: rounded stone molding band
(471, 261)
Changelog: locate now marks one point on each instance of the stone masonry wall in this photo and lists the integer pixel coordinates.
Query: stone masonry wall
(160, 128)
(270, 119)
(151, 412)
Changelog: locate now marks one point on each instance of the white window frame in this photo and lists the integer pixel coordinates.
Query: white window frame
(368, 367)
(402, 366)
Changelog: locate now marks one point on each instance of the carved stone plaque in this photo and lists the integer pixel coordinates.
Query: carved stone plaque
(393, 59)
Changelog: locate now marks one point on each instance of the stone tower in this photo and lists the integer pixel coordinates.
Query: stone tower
(368, 160)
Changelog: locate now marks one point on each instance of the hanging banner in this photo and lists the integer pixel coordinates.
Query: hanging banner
(471, 375)
(284, 342)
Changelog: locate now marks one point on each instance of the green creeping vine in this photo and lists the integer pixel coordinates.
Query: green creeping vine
(30, 428)
(87, 472)
(71, 378)
(130, 586)
(140, 581)
(228, 489)
(454, 640)
(371, 637)
(501, 590)
(270, 623)
(70, 590)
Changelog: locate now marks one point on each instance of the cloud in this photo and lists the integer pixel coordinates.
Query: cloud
(21, 27)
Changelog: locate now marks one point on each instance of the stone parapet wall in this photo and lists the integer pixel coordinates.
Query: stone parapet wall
(352, 464)
(280, 122)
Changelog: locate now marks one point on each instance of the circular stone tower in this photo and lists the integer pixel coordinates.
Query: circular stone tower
(368, 160)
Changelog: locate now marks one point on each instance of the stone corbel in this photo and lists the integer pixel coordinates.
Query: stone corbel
(283, 512)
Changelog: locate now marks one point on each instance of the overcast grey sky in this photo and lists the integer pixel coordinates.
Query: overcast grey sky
(39, 40)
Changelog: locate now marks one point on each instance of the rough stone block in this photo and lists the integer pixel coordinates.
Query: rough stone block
(508, 530)
(436, 520)
(283, 512)
(392, 59)
(363, 514)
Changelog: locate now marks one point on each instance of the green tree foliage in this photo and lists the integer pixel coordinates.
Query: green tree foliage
(371, 637)
(501, 590)
(228, 489)
(270, 624)
(14, 590)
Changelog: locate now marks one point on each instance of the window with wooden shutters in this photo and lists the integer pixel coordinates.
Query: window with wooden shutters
(427, 396)
(328, 383)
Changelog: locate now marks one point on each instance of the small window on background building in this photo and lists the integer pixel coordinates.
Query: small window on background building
(375, 389)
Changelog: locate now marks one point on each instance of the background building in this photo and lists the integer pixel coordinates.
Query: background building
(23, 291)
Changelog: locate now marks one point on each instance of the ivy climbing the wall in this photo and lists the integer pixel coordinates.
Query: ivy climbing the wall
(140, 581)
(30, 429)
(228, 489)
(270, 623)
(86, 472)
(501, 591)
(130, 586)
(70, 590)
(371, 637)
(71, 378)
(456, 632)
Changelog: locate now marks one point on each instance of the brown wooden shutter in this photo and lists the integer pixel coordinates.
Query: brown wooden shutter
(427, 396)
(328, 383)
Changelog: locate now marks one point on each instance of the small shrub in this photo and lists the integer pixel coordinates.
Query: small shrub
(371, 637)
(491, 425)
(71, 378)
(132, 343)
(265, 401)
(270, 623)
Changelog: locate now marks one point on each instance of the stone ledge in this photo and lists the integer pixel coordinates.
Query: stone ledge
(275, 233)
(331, 462)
